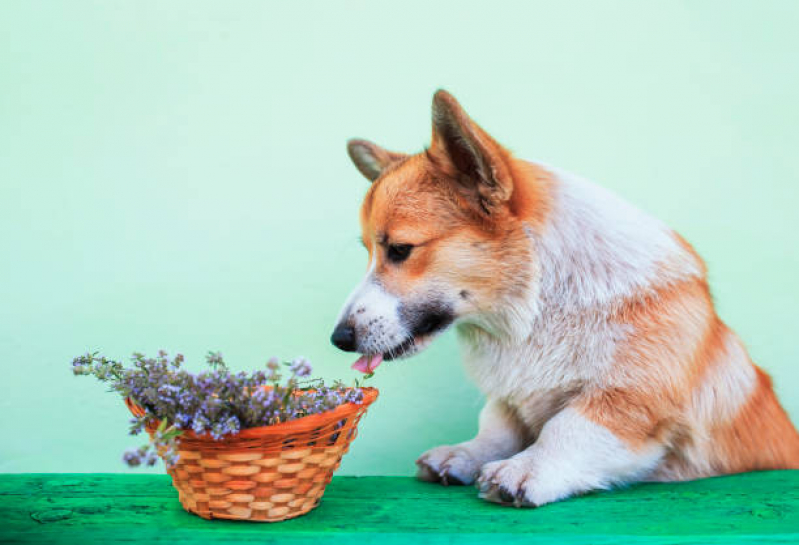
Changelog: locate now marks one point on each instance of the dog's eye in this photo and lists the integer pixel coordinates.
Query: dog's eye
(397, 253)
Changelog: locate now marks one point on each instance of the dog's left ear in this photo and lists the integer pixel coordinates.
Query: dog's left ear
(371, 159)
(480, 163)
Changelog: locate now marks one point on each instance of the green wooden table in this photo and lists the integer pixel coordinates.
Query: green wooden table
(110, 508)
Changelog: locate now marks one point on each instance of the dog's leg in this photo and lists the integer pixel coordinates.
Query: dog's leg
(500, 435)
(573, 454)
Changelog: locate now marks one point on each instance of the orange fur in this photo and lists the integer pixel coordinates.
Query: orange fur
(675, 330)
(680, 380)
(679, 338)
(399, 206)
(760, 437)
(678, 335)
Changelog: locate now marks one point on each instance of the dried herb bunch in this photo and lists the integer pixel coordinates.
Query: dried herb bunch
(217, 402)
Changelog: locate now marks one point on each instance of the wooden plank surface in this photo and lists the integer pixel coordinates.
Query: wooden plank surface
(116, 508)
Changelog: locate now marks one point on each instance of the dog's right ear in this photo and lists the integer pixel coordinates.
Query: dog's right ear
(480, 163)
(371, 159)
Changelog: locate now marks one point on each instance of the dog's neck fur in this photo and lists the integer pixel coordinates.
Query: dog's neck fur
(593, 252)
(598, 250)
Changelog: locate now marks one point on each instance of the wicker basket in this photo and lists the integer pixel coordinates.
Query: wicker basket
(265, 474)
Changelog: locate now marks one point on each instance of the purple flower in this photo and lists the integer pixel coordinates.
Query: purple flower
(200, 424)
(218, 402)
(215, 359)
(182, 420)
(301, 367)
(132, 458)
(231, 426)
(172, 458)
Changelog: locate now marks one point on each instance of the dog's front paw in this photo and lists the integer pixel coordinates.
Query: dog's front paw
(447, 465)
(509, 482)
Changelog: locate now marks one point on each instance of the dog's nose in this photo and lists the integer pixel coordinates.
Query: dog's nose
(344, 337)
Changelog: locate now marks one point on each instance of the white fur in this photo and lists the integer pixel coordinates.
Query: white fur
(727, 385)
(499, 436)
(374, 314)
(535, 351)
(595, 251)
(572, 455)
(598, 248)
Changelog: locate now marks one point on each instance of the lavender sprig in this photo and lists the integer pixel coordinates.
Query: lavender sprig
(217, 402)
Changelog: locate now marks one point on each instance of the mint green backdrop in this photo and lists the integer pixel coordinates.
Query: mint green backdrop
(173, 174)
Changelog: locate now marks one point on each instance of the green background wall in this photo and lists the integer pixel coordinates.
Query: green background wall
(173, 174)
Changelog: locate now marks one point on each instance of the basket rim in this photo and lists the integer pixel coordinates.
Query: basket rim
(302, 424)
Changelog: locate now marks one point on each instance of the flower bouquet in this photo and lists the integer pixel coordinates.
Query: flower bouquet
(260, 446)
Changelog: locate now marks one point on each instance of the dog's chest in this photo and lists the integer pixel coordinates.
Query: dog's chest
(537, 375)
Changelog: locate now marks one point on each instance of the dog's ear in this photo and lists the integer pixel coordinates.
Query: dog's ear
(480, 164)
(371, 159)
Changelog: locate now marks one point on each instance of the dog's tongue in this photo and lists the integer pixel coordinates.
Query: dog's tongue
(367, 364)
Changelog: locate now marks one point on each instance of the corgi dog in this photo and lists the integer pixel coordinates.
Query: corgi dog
(587, 324)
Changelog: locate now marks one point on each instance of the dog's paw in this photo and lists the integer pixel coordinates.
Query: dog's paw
(447, 465)
(509, 482)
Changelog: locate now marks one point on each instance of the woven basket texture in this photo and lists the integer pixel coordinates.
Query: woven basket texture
(268, 474)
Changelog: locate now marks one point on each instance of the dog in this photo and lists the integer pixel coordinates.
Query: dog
(587, 324)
